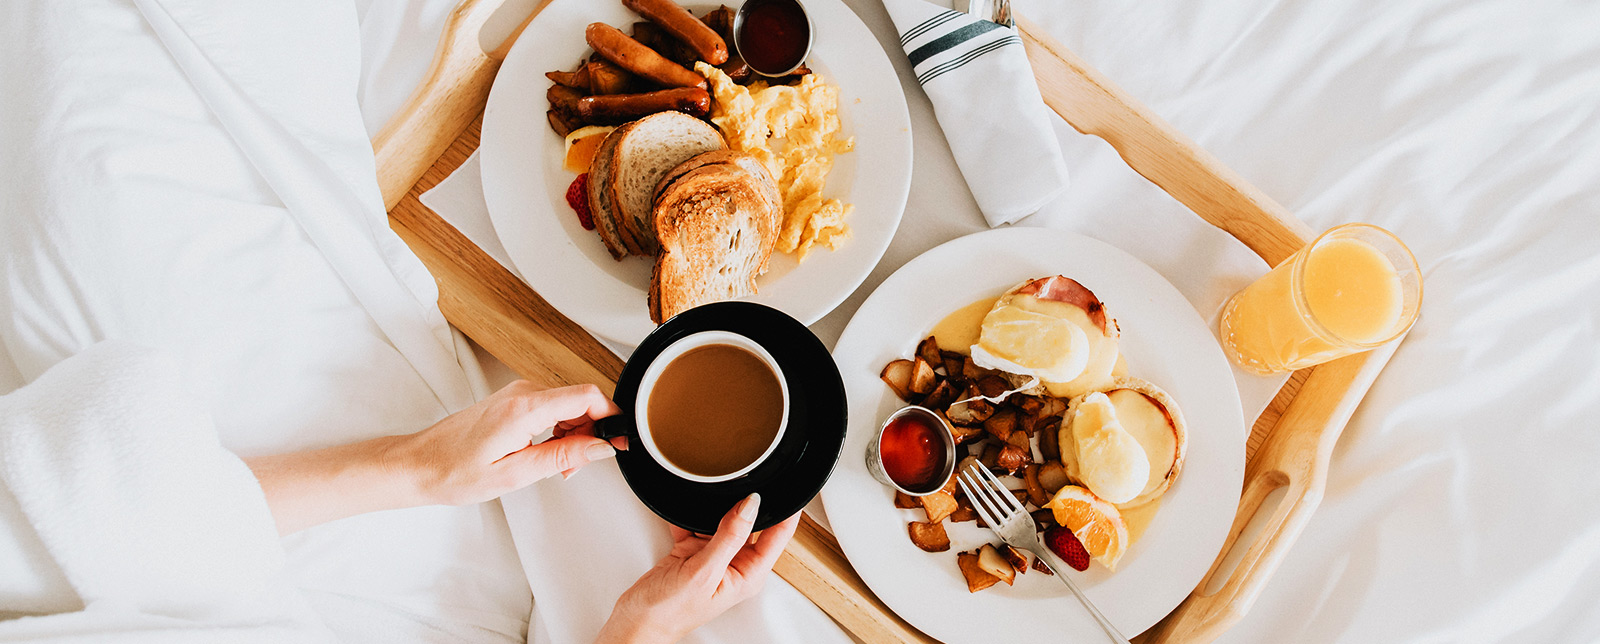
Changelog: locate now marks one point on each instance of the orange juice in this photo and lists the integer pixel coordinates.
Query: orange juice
(1353, 288)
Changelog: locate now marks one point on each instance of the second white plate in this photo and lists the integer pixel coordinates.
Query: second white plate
(1163, 340)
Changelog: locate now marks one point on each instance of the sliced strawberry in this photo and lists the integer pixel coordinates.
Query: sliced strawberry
(1066, 545)
(578, 198)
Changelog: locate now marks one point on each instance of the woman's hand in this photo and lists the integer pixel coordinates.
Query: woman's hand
(487, 450)
(700, 579)
(474, 455)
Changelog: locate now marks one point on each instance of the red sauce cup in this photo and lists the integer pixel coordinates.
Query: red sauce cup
(914, 451)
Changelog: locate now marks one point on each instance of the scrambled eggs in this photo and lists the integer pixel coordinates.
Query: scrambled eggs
(803, 120)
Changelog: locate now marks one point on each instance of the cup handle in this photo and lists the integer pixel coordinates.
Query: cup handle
(611, 427)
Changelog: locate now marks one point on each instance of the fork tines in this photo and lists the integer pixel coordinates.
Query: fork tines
(994, 503)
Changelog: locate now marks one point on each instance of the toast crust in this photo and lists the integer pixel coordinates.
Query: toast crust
(602, 203)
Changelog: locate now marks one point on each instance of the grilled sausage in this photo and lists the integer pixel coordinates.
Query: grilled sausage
(683, 26)
(611, 109)
(629, 54)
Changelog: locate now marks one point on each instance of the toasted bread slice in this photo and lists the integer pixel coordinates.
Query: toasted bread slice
(652, 146)
(717, 228)
(744, 160)
(602, 204)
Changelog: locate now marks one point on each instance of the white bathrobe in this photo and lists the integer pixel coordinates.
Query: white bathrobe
(195, 178)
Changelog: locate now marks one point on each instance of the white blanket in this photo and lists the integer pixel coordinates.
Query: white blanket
(195, 177)
(100, 459)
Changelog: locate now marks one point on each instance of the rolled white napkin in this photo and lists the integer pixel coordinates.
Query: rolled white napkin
(977, 76)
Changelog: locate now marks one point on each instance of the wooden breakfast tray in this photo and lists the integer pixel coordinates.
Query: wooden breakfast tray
(1289, 444)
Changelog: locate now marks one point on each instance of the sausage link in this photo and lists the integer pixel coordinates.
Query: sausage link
(683, 26)
(612, 109)
(633, 56)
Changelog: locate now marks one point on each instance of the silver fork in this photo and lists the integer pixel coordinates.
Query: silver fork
(1007, 518)
(996, 11)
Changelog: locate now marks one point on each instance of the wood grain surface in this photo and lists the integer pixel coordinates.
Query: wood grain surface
(1092, 104)
(1289, 445)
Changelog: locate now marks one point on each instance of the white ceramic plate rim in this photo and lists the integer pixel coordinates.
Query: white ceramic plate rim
(525, 185)
(1164, 340)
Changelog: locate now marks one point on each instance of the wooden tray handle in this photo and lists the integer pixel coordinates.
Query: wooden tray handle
(1296, 460)
(450, 97)
(1153, 148)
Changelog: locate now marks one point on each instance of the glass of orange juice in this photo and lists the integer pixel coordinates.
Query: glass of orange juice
(1351, 289)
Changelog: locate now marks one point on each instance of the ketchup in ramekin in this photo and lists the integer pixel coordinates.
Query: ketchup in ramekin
(914, 452)
(773, 36)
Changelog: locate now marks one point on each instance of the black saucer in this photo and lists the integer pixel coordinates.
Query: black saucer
(795, 471)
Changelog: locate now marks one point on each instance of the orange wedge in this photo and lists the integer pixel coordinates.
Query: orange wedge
(582, 143)
(1093, 521)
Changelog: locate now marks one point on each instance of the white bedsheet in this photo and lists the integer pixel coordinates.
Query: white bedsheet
(1461, 505)
(196, 177)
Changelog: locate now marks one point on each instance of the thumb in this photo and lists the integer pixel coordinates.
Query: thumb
(557, 455)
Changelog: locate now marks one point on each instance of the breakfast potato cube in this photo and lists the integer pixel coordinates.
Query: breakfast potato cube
(578, 80)
(938, 505)
(990, 456)
(992, 562)
(561, 123)
(605, 77)
(1002, 423)
(977, 578)
(1045, 519)
(923, 379)
(720, 20)
(971, 371)
(563, 99)
(930, 537)
(970, 412)
(928, 350)
(905, 501)
(1029, 405)
(1050, 439)
(1052, 406)
(1036, 493)
(993, 386)
(1021, 495)
(897, 374)
(1012, 458)
(965, 434)
(648, 34)
(1052, 477)
(952, 363)
(1015, 557)
(1020, 439)
(941, 396)
(964, 511)
(1039, 565)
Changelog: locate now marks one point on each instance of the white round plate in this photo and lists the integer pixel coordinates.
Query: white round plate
(1163, 340)
(525, 186)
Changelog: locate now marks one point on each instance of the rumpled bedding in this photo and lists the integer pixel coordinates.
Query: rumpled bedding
(195, 177)
(1461, 505)
(111, 442)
